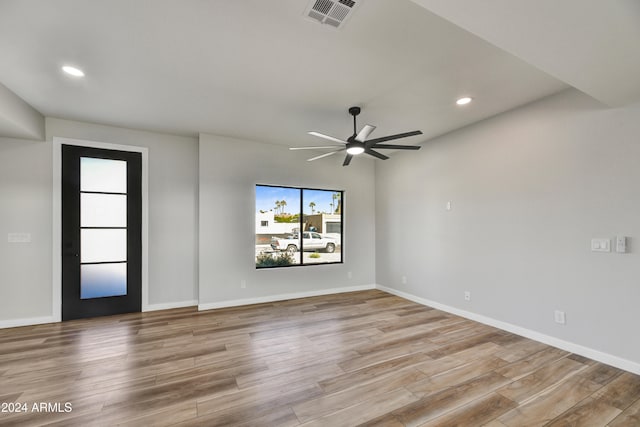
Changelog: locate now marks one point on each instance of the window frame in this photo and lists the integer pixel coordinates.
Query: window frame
(300, 225)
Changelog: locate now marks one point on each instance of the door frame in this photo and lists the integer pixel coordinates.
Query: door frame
(58, 142)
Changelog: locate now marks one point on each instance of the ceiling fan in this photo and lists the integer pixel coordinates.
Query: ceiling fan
(358, 142)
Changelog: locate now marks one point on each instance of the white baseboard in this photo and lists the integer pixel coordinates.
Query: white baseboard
(170, 305)
(597, 355)
(282, 297)
(14, 323)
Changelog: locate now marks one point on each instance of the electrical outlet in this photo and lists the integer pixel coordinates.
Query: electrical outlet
(349, 275)
(243, 284)
(559, 317)
(467, 296)
(403, 279)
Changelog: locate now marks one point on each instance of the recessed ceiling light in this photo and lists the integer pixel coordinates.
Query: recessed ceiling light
(463, 101)
(73, 71)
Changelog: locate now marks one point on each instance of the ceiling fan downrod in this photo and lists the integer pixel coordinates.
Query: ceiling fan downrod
(354, 111)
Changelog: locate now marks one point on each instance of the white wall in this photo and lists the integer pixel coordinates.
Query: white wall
(17, 118)
(229, 171)
(26, 206)
(529, 189)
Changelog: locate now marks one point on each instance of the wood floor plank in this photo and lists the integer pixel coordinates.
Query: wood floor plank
(387, 420)
(621, 392)
(519, 350)
(417, 319)
(367, 358)
(169, 416)
(159, 396)
(333, 402)
(549, 404)
(455, 376)
(438, 404)
(590, 411)
(601, 373)
(282, 417)
(477, 413)
(11, 397)
(350, 379)
(359, 361)
(72, 392)
(464, 343)
(401, 338)
(533, 362)
(250, 403)
(433, 367)
(447, 335)
(362, 412)
(316, 373)
(541, 379)
(630, 417)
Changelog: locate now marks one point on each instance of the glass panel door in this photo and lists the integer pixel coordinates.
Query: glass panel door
(101, 232)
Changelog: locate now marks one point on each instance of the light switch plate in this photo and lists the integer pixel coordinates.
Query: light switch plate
(600, 245)
(19, 237)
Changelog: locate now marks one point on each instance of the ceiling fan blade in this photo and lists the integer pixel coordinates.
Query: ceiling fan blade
(391, 137)
(397, 147)
(347, 160)
(324, 155)
(365, 132)
(330, 138)
(375, 154)
(314, 148)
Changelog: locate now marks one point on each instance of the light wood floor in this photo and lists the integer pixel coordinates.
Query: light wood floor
(363, 358)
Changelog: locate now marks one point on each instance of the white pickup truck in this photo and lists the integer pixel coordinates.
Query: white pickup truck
(311, 241)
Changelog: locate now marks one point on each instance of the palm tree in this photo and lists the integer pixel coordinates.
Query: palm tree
(334, 196)
(283, 203)
(277, 205)
(312, 206)
(338, 209)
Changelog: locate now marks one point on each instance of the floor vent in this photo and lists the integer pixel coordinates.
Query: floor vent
(332, 12)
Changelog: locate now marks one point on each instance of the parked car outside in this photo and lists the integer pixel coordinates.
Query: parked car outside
(311, 241)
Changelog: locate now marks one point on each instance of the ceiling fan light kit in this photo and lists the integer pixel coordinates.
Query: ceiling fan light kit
(358, 143)
(355, 149)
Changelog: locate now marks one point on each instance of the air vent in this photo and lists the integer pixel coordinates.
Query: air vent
(332, 12)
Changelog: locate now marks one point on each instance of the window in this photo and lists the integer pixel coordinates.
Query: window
(298, 226)
(334, 227)
(103, 228)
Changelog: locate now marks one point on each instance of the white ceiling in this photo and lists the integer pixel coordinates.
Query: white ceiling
(593, 45)
(259, 70)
